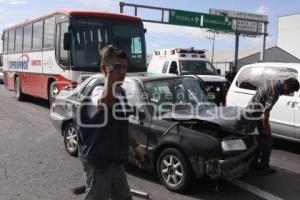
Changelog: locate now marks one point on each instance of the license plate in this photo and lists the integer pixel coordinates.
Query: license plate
(211, 96)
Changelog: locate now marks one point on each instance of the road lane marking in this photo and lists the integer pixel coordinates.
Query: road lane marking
(255, 190)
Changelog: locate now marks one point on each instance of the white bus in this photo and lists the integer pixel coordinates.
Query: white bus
(43, 55)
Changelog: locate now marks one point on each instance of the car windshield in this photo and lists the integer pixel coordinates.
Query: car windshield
(175, 94)
(197, 67)
(90, 34)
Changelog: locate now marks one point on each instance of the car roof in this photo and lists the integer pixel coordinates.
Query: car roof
(274, 64)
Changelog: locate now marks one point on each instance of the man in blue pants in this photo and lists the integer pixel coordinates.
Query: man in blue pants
(263, 101)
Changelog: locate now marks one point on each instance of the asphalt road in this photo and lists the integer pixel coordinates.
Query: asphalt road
(34, 164)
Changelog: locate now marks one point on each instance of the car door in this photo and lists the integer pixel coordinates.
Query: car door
(139, 121)
(297, 115)
(159, 102)
(283, 113)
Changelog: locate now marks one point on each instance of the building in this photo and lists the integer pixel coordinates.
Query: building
(273, 54)
(288, 34)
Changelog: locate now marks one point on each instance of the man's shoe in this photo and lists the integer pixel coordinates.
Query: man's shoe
(79, 190)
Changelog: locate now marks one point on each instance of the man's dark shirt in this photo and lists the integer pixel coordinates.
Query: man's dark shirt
(107, 144)
(266, 96)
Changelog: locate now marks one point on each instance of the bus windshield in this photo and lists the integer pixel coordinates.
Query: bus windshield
(90, 34)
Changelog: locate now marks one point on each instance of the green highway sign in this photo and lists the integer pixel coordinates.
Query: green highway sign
(184, 18)
(202, 20)
(217, 22)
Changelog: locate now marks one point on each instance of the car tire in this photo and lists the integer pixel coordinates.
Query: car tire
(174, 170)
(18, 90)
(71, 139)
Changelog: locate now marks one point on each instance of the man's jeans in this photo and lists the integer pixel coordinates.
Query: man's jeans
(106, 182)
(264, 149)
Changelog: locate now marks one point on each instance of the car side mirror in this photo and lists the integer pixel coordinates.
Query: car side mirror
(67, 41)
(219, 71)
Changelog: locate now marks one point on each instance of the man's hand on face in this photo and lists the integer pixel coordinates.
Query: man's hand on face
(118, 72)
(113, 75)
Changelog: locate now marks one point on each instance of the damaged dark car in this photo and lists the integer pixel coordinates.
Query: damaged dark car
(185, 136)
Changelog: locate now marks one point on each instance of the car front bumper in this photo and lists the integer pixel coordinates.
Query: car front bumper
(232, 167)
(57, 121)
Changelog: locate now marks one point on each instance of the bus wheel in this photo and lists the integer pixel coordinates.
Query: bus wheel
(18, 90)
(52, 92)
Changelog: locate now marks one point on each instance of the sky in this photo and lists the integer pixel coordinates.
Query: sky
(158, 35)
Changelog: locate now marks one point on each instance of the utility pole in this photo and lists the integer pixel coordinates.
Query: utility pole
(213, 38)
(265, 34)
(236, 54)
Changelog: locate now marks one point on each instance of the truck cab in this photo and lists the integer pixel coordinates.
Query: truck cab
(190, 62)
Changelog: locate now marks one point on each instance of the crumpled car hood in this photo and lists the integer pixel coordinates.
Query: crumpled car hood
(229, 119)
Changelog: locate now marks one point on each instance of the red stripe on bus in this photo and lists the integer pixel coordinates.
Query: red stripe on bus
(35, 84)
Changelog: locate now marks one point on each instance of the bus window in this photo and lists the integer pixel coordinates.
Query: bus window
(87, 37)
(19, 39)
(37, 35)
(129, 37)
(27, 37)
(136, 47)
(61, 54)
(49, 28)
(11, 41)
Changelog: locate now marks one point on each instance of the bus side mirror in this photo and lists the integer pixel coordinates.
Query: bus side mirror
(145, 30)
(2, 37)
(218, 71)
(67, 41)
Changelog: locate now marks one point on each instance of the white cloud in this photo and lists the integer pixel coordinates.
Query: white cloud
(101, 5)
(178, 31)
(262, 10)
(14, 2)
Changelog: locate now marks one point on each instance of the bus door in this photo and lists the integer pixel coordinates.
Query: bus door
(48, 54)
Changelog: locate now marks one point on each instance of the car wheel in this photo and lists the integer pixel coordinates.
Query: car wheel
(174, 170)
(71, 139)
(18, 90)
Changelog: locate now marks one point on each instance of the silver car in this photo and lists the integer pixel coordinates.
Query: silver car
(1, 75)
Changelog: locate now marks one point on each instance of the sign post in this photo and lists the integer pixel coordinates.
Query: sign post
(247, 24)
